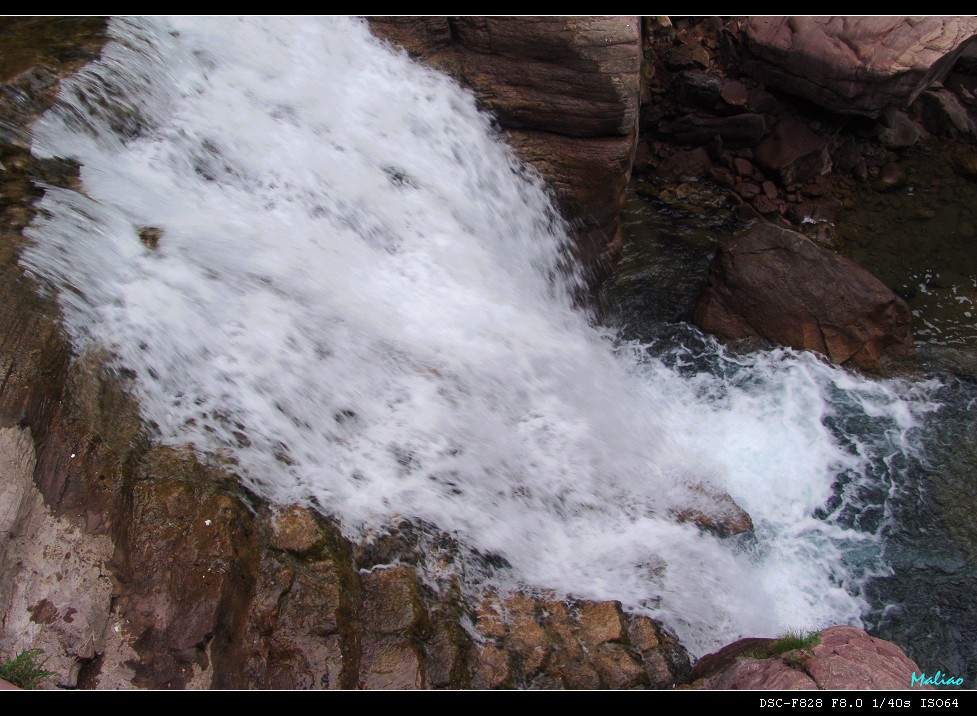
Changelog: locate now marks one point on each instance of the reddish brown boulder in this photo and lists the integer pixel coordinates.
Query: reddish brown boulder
(943, 114)
(854, 65)
(793, 152)
(778, 285)
(715, 511)
(847, 658)
(566, 91)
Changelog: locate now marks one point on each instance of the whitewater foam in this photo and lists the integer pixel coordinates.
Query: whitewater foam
(362, 296)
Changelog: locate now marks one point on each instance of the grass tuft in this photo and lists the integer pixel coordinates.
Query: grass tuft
(25, 670)
(788, 641)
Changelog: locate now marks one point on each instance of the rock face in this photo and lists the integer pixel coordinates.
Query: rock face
(793, 153)
(133, 564)
(847, 658)
(776, 284)
(854, 65)
(565, 90)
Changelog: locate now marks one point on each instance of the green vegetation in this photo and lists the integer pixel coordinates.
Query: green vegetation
(788, 641)
(25, 670)
(791, 640)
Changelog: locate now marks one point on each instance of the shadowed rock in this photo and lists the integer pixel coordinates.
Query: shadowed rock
(854, 65)
(793, 153)
(778, 285)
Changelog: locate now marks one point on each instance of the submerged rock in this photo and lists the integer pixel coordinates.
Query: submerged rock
(854, 65)
(716, 512)
(776, 284)
(846, 658)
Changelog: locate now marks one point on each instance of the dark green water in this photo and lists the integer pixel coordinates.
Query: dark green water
(920, 240)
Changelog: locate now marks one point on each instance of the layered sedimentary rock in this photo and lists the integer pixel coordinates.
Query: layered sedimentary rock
(566, 92)
(854, 65)
(776, 284)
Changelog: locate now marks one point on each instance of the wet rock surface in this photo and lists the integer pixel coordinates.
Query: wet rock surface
(132, 564)
(776, 284)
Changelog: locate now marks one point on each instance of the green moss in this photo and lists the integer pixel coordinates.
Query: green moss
(25, 670)
(788, 641)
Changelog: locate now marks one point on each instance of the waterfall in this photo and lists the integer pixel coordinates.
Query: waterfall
(361, 299)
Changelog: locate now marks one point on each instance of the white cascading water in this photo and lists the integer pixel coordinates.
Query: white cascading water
(360, 296)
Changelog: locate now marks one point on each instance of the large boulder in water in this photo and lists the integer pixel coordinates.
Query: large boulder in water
(854, 65)
(777, 284)
(566, 92)
(846, 658)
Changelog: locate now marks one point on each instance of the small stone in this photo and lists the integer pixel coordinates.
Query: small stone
(488, 618)
(391, 600)
(943, 114)
(794, 152)
(743, 166)
(764, 205)
(898, 130)
(389, 663)
(684, 165)
(150, 236)
(643, 634)
(697, 89)
(294, 529)
(747, 190)
(715, 510)
(722, 176)
(687, 57)
(600, 622)
(923, 213)
(762, 101)
(735, 94)
(618, 667)
(492, 666)
(700, 129)
(965, 160)
(823, 234)
(770, 189)
(891, 177)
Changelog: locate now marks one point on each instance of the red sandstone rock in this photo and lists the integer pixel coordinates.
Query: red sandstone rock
(847, 658)
(776, 284)
(793, 153)
(854, 65)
